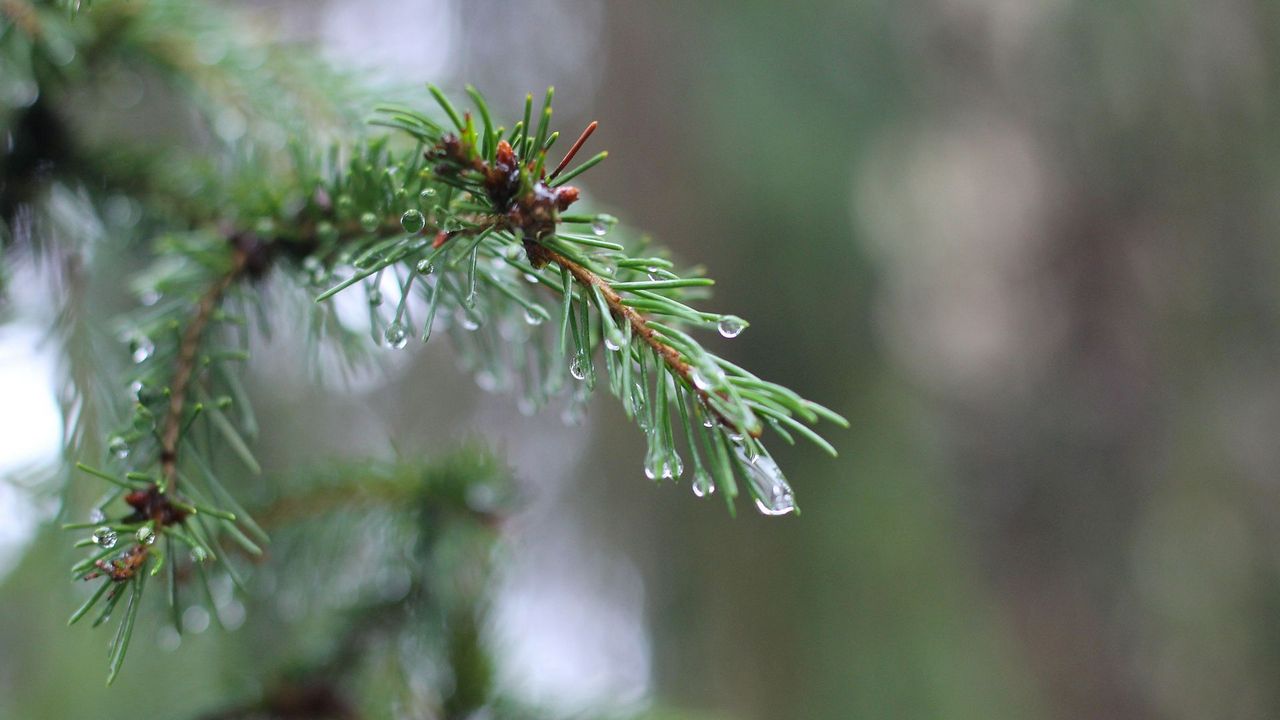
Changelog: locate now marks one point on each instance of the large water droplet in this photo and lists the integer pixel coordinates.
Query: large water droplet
(369, 222)
(702, 484)
(413, 221)
(468, 323)
(427, 193)
(578, 368)
(105, 536)
(118, 447)
(532, 317)
(146, 535)
(425, 267)
(396, 335)
(772, 492)
(731, 326)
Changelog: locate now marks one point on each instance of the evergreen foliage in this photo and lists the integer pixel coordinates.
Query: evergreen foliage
(443, 220)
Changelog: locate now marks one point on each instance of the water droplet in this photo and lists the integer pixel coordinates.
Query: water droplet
(375, 297)
(702, 483)
(532, 317)
(578, 368)
(672, 466)
(118, 447)
(396, 335)
(707, 421)
(146, 535)
(731, 326)
(326, 231)
(772, 492)
(613, 341)
(96, 515)
(199, 555)
(344, 204)
(412, 221)
(512, 252)
(653, 463)
(530, 278)
(105, 536)
(369, 222)
(602, 224)
(425, 267)
(427, 193)
(707, 376)
(140, 348)
(468, 323)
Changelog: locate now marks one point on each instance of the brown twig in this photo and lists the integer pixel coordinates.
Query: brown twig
(185, 366)
(639, 326)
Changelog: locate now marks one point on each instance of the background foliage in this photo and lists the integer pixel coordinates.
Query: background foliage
(1039, 234)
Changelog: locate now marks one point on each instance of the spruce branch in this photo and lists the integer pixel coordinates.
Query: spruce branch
(447, 222)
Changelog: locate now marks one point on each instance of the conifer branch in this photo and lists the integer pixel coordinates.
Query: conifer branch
(639, 325)
(185, 367)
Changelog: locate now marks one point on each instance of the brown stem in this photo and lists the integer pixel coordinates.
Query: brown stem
(185, 367)
(639, 326)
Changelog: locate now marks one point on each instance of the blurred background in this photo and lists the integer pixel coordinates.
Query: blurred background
(1021, 244)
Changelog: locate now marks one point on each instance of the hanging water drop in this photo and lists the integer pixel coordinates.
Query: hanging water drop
(140, 348)
(427, 193)
(199, 554)
(531, 278)
(772, 492)
(468, 323)
(532, 317)
(375, 297)
(578, 368)
(425, 267)
(413, 221)
(654, 464)
(602, 224)
(702, 484)
(707, 376)
(369, 222)
(731, 326)
(118, 447)
(326, 231)
(613, 341)
(146, 535)
(105, 537)
(396, 335)
(672, 466)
